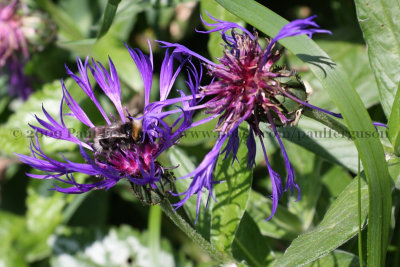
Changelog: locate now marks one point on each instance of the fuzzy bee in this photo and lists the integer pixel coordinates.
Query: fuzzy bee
(118, 135)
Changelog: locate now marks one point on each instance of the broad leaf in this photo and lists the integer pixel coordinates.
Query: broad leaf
(44, 214)
(232, 196)
(16, 134)
(307, 168)
(284, 225)
(379, 21)
(249, 244)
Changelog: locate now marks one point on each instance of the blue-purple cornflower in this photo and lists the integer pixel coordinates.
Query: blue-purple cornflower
(248, 86)
(115, 150)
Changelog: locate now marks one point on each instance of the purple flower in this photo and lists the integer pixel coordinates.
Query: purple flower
(125, 147)
(248, 86)
(13, 49)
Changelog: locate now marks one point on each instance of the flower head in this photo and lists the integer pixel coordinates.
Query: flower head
(248, 86)
(21, 30)
(125, 147)
(13, 45)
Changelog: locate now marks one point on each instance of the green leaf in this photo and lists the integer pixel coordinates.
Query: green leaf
(232, 196)
(68, 29)
(336, 258)
(109, 46)
(249, 244)
(11, 226)
(333, 78)
(179, 158)
(82, 47)
(214, 44)
(339, 225)
(108, 17)
(379, 23)
(335, 180)
(44, 214)
(16, 134)
(354, 60)
(394, 123)
(394, 170)
(307, 168)
(284, 225)
(323, 141)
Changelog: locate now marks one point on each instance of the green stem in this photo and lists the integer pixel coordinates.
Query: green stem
(154, 226)
(327, 120)
(193, 234)
(73, 206)
(360, 252)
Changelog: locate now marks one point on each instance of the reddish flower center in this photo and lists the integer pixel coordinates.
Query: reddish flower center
(243, 85)
(131, 161)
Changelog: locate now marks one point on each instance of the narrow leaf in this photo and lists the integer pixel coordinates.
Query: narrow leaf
(336, 258)
(339, 225)
(108, 17)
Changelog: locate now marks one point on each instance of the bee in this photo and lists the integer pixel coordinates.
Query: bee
(118, 135)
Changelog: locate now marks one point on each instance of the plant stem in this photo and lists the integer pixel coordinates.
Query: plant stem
(360, 252)
(154, 226)
(193, 234)
(73, 206)
(327, 120)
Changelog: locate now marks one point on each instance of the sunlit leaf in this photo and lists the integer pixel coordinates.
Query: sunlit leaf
(284, 225)
(379, 23)
(185, 165)
(339, 225)
(336, 258)
(232, 196)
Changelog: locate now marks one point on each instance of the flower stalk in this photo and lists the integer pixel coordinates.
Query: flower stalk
(193, 234)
